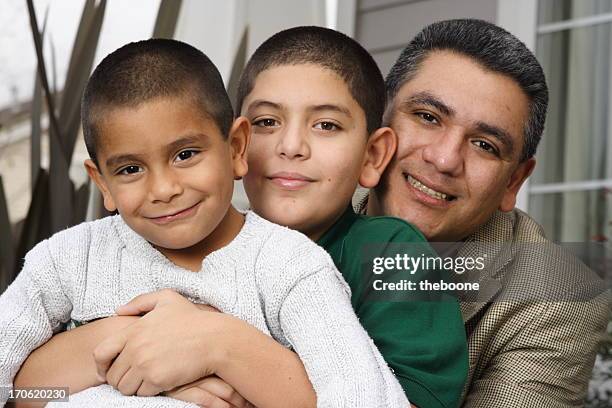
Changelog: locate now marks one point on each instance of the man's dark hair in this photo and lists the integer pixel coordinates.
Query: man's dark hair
(141, 71)
(329, 49)
(490, 46)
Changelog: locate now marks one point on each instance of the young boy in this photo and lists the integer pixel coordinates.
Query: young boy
(315, 99)
(164, 153)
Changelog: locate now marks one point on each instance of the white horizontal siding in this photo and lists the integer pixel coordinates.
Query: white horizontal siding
(384, 27)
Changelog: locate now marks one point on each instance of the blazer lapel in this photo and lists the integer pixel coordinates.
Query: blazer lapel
(493, 241)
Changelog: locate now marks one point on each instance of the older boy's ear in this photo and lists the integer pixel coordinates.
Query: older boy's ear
(96, 176)
(379, 152)
(239, 138)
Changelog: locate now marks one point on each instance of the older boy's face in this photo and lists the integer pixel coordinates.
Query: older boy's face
(307, 146)
(168, 171)
(460, 131)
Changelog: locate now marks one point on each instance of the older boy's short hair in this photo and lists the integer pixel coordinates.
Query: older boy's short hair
(141, 71)
(330, 49)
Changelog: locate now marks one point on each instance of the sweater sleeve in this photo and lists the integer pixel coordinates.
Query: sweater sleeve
(33, 307)
(343, 364)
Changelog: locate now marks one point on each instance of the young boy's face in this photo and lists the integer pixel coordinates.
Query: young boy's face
(168, 171)
(307, 147)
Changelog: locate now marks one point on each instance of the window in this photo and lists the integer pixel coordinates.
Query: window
(570, 192)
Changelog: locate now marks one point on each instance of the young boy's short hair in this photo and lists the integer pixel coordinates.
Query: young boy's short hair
(149, 69)
(329, 49)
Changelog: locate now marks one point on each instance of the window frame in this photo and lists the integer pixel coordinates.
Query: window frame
(520, 18)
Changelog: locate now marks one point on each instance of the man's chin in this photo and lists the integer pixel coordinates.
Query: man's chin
(425, 220)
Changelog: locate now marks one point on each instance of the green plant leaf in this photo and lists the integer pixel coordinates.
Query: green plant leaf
(167, 16)
(7, 248)
(79, 69)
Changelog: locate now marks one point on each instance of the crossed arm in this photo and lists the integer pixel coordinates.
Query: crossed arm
(228, 348)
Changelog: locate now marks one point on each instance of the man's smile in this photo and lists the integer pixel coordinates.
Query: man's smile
(428, 193)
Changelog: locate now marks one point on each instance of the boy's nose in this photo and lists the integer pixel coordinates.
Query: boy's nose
(293, 144)
(445, 152)
(164, 186)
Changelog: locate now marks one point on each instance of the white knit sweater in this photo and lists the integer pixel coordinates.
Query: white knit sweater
(270, 276)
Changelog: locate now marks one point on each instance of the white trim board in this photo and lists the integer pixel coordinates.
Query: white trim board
(575, 23)
(570, 186)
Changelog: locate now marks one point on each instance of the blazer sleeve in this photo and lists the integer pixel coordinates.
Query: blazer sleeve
(546, 361)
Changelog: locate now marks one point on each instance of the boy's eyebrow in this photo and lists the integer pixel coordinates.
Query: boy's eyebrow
(185, 141)
(262, 103)
(496, 132)
(118, 159)
(425, 98)
(330, 107)
(258, 103)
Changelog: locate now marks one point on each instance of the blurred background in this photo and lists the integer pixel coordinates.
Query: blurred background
(48, 48)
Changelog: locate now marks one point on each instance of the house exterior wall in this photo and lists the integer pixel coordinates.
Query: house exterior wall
(384, 27)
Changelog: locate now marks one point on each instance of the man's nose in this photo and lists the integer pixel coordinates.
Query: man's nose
(164, 185)
(446, 152)
(293, 143)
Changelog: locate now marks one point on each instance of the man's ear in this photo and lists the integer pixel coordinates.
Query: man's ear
(239, 138)
(379, 152)
(517, 179)
(96, 176)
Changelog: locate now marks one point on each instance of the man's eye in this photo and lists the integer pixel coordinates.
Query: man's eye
(328, 126)
(130, 170)
(266, 122)
(186, 154)
(487, 147)
(427, 117)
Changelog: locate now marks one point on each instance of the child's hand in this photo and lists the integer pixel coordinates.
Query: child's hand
(209, 392)
(166, 348)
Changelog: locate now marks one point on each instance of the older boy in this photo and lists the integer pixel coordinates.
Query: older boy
(155, 118)
(313, 140)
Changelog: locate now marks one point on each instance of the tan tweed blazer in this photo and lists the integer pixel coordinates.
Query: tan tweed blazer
(532, 353)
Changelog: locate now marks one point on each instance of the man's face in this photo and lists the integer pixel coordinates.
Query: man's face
(460, 131)
(307, 148)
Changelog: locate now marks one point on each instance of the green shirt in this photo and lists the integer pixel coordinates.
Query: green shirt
(423, 342)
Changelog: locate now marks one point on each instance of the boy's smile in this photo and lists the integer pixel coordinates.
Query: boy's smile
(169, 172)
(307, 149)
(179, 215)
(290, 181)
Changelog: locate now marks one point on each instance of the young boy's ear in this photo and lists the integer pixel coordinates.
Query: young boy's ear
(96, 176)
(239, 138)
(379, 152)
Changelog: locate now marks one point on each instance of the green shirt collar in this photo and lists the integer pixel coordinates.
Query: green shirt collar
(339, 230)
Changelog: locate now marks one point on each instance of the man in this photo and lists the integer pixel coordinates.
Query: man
(468, 102)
